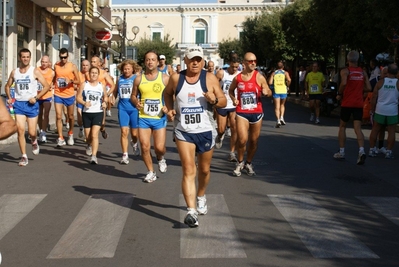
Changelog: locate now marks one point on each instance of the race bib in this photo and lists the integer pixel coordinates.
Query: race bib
(191, 117)
(152, 107)
(62, 83)
(94, 98)
(248, 100)
(125, 91)
(314, 88)
(226, 88)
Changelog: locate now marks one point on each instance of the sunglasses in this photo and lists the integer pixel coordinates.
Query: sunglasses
(252, 61)
(63, 57)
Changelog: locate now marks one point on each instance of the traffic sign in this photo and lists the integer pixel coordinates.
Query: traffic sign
(103, 35)
(60, 40)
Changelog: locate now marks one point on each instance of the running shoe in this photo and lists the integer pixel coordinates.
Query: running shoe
(361, 158)
(136, 149)
(232, 157)
(35, 148)
(89, 151)
(60, 142)
(239, 167)
(70, 140)
(93, 160)
(382, 150)
(339, 155)
(109, 113)
(372, 153)
(202, 208)
(42, 137)
(191, 218)
(249, 169)
(219, 141)
(282, 121)
(228, 132)
(150, 177)
(317, 121)
(125, 160)
(162, 166)
(67, 125)
(278, 124)
(81, 133)
(389, 154)
(311, 117)
(23, 162)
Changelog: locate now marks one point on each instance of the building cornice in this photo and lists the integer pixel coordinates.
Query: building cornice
(181, 8)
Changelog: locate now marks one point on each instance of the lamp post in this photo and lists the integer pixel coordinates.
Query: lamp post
(121, 26)
(81, 6)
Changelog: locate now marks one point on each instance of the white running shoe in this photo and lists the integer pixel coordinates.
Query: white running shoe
(361, 158)
(93, 160)
(382, 150)
(389, 154)
(136, 149)
(162, 166)
(228, 132)
(89, 151)
(191, 218)
(42, 137)
(202, 208)
(317, 121)
(219, 141)
(60, 142)
(125, 160)
(35, 148)
(339, 155)
(311, 117)
(70, 141)
(109, 113)
(282, 121)
(81, 133)
(239, 167)
(67, 125)
(232, 157)
(150, 177)
(249, 169)
(23, 162)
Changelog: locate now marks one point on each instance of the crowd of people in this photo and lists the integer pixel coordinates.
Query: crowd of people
(203, 103)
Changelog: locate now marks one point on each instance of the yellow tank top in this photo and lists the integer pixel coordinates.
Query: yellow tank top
(151, 97)
(279, 82)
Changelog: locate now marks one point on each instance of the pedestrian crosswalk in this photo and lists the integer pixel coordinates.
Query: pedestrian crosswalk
(96, 230)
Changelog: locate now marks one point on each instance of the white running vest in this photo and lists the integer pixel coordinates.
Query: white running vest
(387, 102)
(25, 84)
(191, 109)
(94, 94)
(225, 84)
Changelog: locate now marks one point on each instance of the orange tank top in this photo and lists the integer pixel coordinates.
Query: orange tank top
(48, 76)
(63, 80)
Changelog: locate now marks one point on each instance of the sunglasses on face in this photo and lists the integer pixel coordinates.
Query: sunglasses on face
(63, 57)
(252, 61)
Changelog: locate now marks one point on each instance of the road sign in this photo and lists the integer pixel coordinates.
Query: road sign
(60, 40)
(103, 35)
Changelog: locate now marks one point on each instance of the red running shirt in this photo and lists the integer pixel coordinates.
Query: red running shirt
(249, 95)
(353, 93)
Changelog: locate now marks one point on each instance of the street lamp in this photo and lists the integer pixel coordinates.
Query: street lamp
(81, 6)
(121, 26)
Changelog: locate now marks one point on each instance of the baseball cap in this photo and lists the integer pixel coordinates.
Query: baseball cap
(194, 51)
(162, 57)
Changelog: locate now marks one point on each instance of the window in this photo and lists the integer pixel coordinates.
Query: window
(200, 31)
(200, 36)
(23, 37)
(156, 31)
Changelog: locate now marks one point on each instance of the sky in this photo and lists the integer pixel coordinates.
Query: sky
(119, 2)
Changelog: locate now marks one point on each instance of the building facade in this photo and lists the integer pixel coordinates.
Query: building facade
(189, 24)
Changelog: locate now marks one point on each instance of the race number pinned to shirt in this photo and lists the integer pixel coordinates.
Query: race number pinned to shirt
(22, 86)
(191, 117)
(314, 88)
(94, 97)
(125, 90)
(248, 100)
(62, 83)
(152, 107)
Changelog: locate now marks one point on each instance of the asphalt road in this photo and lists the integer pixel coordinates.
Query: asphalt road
(302, 209)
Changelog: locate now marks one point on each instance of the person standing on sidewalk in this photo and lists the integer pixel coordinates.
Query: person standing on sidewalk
(93, 96)
(190, 97)
(26, 106)
(147, 96)
(354, 81)
(250, 86)
(66, 76)
(281, 82)
(384, 106)
(45, 100)
(314, 84)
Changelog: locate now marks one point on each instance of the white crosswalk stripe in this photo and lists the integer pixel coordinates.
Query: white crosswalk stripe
(322, 234)
(216, 236)
(386, 206)
(13, 208)
(96, 230)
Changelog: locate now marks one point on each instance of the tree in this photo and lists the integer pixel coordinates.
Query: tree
(162, 47)
(227, 46)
